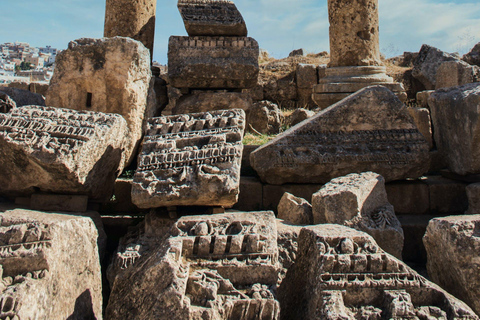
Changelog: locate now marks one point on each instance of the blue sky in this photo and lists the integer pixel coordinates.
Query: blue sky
(278, 25)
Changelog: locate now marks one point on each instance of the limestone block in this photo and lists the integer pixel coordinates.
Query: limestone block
(455, 117)
(426, 64)
(19, 85)
(211, 267)
(50, 266)
(272, 194)
(360, 201)
(341, 273)
(422, 98)
(281, 90)
(473, 57)
(299, 115)
(295, 210)
(23, 97)
(60, 151)
(110, 75)
(250, 197)
(321, 71)
(446, 196)
(409, 197)
(354, 135)
(213, 62)
(455, 73)
(40, 88)
(421, 116)
(204, 101)
(6, 103)
(191, 159)
(287, 236)
(306, 76)
(59, 202)
(453, 246)
(297, 53)
(265, 117)
(473, 194)
(212, 18)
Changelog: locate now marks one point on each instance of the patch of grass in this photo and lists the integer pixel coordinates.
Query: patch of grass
(258, 140)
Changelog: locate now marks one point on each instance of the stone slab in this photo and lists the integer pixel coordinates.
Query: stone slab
(250, 197)
(409, 197)
(205, 101)
(58, 202)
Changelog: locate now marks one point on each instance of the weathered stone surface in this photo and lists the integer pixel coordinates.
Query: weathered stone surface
(426, 64)
(341, 273)
(210, 267)
(287, 236)
(213, 62)
(132, 19)
(422, 98)
(473, 194)
(191, 159)
(265, 117)
(60, 151)
(50, 267)
(295, 210)
(473, 57)
(456, 73)
(306, 75)
(354, 135)
(360, 201)
(421, 117)
(299, 115)
(23, 97)
(446, 196)
(455, 117)
(109, 75)
(58, 202)
(40, 88)
(296, 53)
(251, 194)
(6, 103)
(409, 197)
(453, 246)
(212, 18)
(204, 101)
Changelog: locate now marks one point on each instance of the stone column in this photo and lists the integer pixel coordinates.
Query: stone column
(354, 39)
(131, 18)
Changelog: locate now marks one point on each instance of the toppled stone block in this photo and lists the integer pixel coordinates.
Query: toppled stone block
(370, 130)
(360, 201)
(60, 151)
(299, 115)
(23, 97)
(306, 76)
(215, 267)
(456, 73)
(212, 18)
(421, 117)
(205, 101)
(6, 103)
(110, 75)
(213, 62)
(455, 117)
(58, 202)
(341, 273)
(422, 98)
(49, 266)
(265, 117)
(453, 246)
(473, 57)
(191, 159)
(295, 210)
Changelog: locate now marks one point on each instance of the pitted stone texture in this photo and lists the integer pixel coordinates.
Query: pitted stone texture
(298, 116)
(295, 210)
(23, 97)
(213, 62)
(210, 267)
(354, 135)
(204, 101)
(354, 36)
(109, 75)
(60, 151)
(455, 117)
(265, 117)
(212, 18)
(306, 76)
(456, 73)
(49, 266)
(473, 57)
(191, 159)
(453, 247)
(422, 119)
(132, 19)
(426, 64)
(6, 103)
(341, 273)
(360, 201)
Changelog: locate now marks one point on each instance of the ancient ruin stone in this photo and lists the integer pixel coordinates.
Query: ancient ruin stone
(23, 97)
(6, 103)
(306, 75)
(295, 210)
(473, 194)
(210, 267)
(297, 53)
(287, 236)
(473, 57)
(422, 98)
(213, 62)
(453, 246)
(455, 117)
(341, 273)
(456, 73)
(298, 116)
(421, 117)
(191, 159)
(264, 117)
(212, 18)
(360, 201)
(132, 19)
(425, 66)
(204, 101)
(49, 266)
(60, 151)
(369, 131)
(110, 75)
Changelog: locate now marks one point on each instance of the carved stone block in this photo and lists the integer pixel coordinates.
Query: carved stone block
(369, 131)
(60, 151)
(212, 18)
(191, 159)
(213, 62)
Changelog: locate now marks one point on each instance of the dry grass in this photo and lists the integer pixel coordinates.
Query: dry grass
(257, 140)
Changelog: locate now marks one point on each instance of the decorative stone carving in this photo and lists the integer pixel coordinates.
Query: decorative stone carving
(210, 267)
(455, 117)
(109, 75)
(6, 103)
(369, 131)
(453, 246)
(212, 18)
(49, 266)
(213, 62)
(60, 151)
(341, 273)
(295, 210)
(191, 159)
(360, 201)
